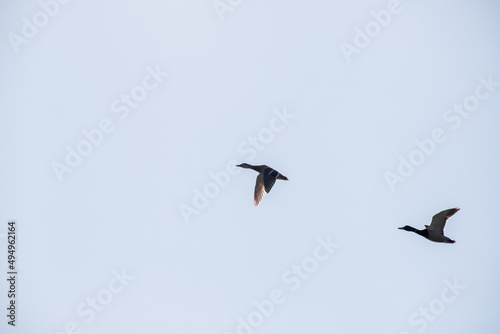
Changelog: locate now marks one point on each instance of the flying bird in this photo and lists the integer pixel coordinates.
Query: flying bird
(265, 180)
(435, 232)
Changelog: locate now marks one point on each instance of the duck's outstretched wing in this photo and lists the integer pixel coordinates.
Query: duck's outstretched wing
(439, 220)
(270, 177)
(265, 182)
(260, 189)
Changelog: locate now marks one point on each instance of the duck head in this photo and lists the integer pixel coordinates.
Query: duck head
(407, 228)
(244, 165)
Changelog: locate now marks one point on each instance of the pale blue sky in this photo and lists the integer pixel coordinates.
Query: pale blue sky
(181, 91)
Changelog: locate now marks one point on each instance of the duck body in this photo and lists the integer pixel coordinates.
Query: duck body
(265, 180)
(429, 234)
(435, 231)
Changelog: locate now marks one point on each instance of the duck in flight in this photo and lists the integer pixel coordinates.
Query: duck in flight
(435, 232)
(265, 180)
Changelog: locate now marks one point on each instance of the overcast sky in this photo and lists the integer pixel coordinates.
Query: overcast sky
(121, 123)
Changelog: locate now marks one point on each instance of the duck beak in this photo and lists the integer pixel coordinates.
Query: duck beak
(400, 228)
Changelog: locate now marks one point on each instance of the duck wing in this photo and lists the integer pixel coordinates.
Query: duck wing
(439, 220)
(265, 181)
(270, 177)
(260, 189)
